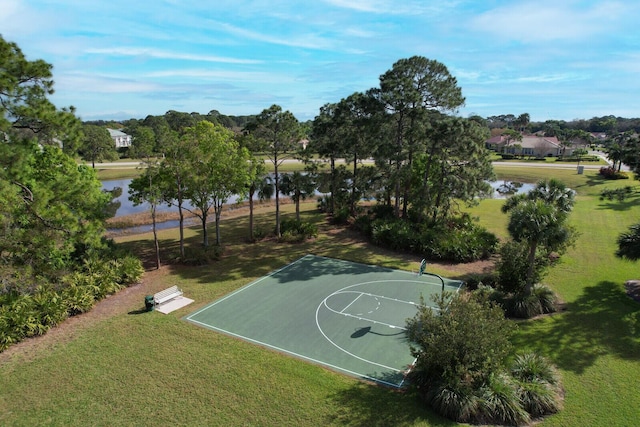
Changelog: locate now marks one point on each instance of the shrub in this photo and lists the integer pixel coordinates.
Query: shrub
(458, 240)
(477, 280)
(512, 266)
(202, 255)
(129, 269)
(293, 230)
(547, 298)
(522, 306)
(499, 402)
(611, 173)
(50, 306)
(455, 401)
(531, 366)
(538, 384)
(619, 194)
(341, 215)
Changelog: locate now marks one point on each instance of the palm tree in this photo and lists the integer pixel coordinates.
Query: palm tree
(298, 186)
(539, 218)
(629, 244)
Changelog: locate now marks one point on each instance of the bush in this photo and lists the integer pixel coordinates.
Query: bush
(461, 368)
(293, 230)
(341, 215)
(50, 306)
(499, 402)
(202, 255)
(610, 173)
(619, 194)
(128, 268)
(478, 280)
(538, 384)
(512, 266)
(455, 401)
(459, 240)
(78, 297)
(547, 298)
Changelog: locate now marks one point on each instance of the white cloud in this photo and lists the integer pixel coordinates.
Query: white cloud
(540, 21)
(307, 41)
(156, 53)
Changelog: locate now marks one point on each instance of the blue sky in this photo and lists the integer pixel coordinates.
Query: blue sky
(560, 59)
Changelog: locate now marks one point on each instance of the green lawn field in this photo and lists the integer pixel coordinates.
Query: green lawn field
(123, 366)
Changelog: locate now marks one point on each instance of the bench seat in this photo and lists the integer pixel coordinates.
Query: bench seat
(167, 295)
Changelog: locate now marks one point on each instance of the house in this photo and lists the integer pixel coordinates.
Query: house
(530, 145)
(121, 139)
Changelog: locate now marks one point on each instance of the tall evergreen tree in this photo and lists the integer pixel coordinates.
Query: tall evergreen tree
(278, 132)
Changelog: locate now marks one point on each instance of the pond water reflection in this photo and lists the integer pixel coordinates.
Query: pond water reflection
(501, 190)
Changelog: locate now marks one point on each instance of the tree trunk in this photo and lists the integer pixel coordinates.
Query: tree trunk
(277, 188)
(352, 208)
(155, 235)
(332, 187)
(205, 235)
(252, 191)
(218, 212)
(532, 259)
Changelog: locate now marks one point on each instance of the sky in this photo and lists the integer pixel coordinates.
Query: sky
(115, 60)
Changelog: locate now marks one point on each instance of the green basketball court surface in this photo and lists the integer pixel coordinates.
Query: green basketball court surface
(345, 316)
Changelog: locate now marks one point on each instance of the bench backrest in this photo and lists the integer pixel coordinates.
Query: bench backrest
(174, 290)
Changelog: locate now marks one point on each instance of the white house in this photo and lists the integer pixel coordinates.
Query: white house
(530, 145)
(121, 139)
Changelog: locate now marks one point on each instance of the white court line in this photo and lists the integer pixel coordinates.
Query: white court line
(350, 304)
(245, 287)
(357, 374)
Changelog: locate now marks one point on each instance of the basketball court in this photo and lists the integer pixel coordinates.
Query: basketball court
(345, 316)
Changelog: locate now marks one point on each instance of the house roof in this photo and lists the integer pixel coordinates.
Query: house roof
(533, 141)
(115, 133)
(528, 141)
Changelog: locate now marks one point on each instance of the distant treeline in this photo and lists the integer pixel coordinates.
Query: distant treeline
(605, 124)
(177, 121)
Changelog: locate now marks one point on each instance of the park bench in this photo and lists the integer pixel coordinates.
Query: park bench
(167, 295)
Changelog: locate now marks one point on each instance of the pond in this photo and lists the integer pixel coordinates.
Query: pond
(502, 189)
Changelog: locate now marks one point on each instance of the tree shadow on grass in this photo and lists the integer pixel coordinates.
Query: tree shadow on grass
(367, 405)
(604, 320)
(620, 205)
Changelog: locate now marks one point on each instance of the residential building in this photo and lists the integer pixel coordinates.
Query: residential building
(530, 145)
(121, 139)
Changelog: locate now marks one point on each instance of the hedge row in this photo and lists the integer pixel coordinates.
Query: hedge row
(27, 315)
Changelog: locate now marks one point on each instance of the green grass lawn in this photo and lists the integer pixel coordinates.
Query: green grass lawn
(138, 368)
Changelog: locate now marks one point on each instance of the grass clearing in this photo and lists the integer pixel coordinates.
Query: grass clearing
(137, 368)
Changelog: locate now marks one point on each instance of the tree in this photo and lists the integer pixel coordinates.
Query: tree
(465, 339)
(629, 244)
(409, 91)
(218, 170)
(97, 145)
(355, 122)
(143, 143)
(298, 186)
(52, 210)
(522, 122)
(456, 169)
(174, 171)
(24, 107)
(325, 142)
(257, 173)
(278, 133)
(146, 188)
(539, 218)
